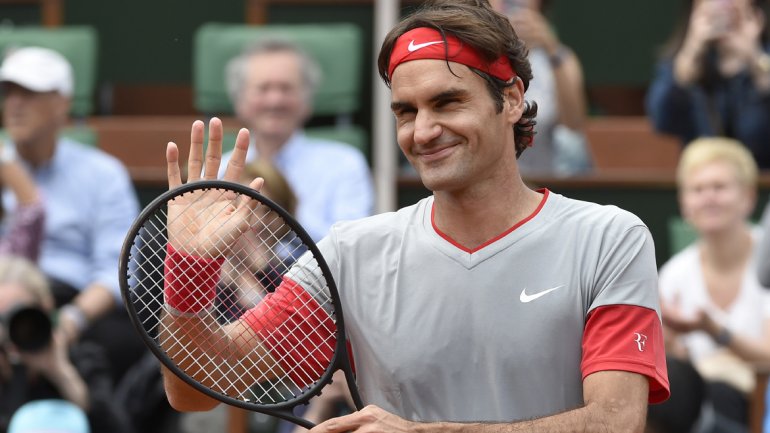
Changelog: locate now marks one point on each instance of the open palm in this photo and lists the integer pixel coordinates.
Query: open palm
(207, 223)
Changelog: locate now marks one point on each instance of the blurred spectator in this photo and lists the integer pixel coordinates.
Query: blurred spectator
(763, 254)
(89, 201)
(714, 78)
(49, 416)
(715, 312)
(558, 89)
(24, 227)
(35, 361)
(272, 85)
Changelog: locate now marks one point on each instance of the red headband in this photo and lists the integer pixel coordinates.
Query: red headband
(427, 43)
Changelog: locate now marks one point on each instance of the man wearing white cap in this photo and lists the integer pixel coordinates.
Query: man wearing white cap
(89, 198)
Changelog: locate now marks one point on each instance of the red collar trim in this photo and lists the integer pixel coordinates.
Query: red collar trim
(545, 193)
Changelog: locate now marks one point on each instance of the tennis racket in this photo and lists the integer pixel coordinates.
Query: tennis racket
(239, 304)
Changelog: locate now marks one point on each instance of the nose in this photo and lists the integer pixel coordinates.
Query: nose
(273, 95)
(426, 129)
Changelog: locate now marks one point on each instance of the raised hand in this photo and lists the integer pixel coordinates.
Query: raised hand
(532, 27)
(208, 223)
(709, 22)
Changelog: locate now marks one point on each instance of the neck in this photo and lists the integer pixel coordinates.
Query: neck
(38, 152)
(472, 218)
(268, 146)
(727, 249)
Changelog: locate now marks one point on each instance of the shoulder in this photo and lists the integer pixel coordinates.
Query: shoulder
(89, 156)
(384, 227)
(330, 149)
(592, 216)
(386, 221)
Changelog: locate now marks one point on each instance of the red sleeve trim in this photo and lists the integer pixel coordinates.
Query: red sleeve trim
(189, 281)
(298, 333)
(627, 338)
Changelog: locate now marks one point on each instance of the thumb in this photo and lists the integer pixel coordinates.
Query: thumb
(246, 205)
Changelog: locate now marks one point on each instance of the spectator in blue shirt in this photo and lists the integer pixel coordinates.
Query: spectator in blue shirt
(272, 85)
(89, 201)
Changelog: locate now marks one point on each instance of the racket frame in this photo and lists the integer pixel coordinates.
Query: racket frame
(340, 359)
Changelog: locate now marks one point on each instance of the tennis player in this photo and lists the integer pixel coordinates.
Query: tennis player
(488, 306)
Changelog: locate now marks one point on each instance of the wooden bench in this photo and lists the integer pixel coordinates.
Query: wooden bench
(140, 142)
(629, 144)
(621, 146)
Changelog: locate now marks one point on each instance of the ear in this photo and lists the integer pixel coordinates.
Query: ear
(680, 202)
(513, 101)
(63, 106)
(751, 202)
(239, 108)
(307, 109)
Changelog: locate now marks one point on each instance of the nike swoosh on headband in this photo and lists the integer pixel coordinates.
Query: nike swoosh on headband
(414, 47)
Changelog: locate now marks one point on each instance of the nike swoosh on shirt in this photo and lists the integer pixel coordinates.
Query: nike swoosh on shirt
(524, 297)
(414, 47)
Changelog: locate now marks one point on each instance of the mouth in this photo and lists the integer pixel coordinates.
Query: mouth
(435, 153)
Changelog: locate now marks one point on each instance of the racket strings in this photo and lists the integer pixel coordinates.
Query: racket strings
(254, 265)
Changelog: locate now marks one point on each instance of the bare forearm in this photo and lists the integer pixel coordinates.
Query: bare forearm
(747, 348)
(20, 183)
(222, 359)
(95, 301)
(71, 386)
(750, 350)
(616, 401)
(759, 68)
(687, 65)
(570, 93)
(184, 397)
(92, 303)
(591, 418)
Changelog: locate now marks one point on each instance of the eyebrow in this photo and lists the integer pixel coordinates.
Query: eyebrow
(449, 94)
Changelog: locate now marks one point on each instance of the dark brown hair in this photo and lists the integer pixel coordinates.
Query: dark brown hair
(276, 185)
(476, 24)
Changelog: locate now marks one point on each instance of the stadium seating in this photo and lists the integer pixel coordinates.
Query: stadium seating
(79, 44)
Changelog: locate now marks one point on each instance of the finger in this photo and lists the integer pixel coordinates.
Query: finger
(246, 205)
(257, 184)
(340, 424)
(238, 158)
(195, 160)
(214, 149)
(172, 166)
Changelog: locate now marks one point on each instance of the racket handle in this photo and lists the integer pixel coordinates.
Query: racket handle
(190, 281)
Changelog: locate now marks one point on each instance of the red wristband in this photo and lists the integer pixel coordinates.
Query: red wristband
(296, 330)
(190, 281)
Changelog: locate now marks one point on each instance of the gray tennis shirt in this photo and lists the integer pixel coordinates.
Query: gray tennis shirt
(497, 334)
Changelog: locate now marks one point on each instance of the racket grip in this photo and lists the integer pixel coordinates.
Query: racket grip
(190, 281)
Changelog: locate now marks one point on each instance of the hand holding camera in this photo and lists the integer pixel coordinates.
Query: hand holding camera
(32, 340)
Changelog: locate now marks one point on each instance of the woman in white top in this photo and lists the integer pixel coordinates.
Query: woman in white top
(715, 312)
